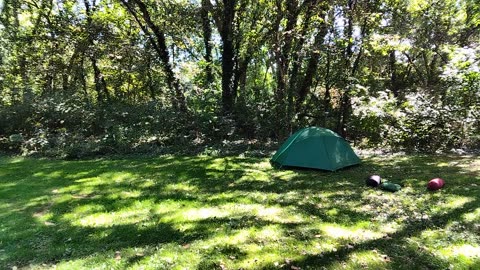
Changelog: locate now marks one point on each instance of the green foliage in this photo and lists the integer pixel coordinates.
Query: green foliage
(74, 128)
(426, 125)
(79, 80)
(420, 123)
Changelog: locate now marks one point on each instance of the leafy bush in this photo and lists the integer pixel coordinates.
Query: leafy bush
(71, 127)
(420, 123)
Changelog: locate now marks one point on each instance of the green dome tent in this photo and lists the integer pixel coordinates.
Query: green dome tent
(317, 148)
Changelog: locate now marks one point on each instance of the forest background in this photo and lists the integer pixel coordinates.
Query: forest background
(92, 77)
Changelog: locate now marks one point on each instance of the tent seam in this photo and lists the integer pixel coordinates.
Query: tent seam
(288, 146)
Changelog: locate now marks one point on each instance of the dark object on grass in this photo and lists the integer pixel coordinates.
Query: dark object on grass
(390, 186)
(373, 180)
(435, 184)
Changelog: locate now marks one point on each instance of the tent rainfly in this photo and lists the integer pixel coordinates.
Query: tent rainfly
(317, 148)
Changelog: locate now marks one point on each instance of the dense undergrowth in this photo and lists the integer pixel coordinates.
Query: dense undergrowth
(70, 127)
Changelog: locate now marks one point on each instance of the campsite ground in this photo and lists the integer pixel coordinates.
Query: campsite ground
(204, 212)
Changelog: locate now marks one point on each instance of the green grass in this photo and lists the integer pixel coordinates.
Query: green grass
(237, 213)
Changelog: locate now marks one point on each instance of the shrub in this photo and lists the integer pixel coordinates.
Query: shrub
(420, 123)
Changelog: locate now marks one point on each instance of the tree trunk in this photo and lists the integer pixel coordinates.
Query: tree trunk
(160, 46)
(297, 62)
(283, 46)
(25, 90)
(100, 83)
(228, 55)
(327, 96)
(312, 66)
(393, 74)
(207, 36)
(345, 106)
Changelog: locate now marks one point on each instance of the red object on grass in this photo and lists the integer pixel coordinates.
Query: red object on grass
(435, 184)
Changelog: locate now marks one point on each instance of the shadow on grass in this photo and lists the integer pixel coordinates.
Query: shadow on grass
(395, 248)
(39, 197)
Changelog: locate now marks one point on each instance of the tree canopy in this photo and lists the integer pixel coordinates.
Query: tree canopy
(124, 73)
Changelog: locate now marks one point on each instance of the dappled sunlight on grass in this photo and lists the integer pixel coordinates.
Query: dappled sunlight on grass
(285, 175)
(15, 160)
(78, 175)
(452, 202)
(473, 216)
(270, 233)
(130, 194)
(349, 233)
(55, 174)
(203, 213)
(38, 201)
(7, 185)
(253, 176)
(464, 256)
(131, 215)
(464, 250)
(180, 187)
(470, 165)
(370, 259)
(84, 210)
(213, 213)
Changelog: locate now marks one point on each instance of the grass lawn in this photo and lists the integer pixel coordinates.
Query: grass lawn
(178, 212)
